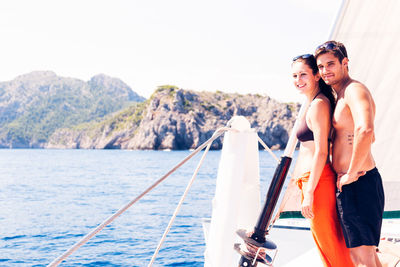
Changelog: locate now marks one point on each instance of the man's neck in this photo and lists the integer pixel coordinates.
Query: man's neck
(338, 87)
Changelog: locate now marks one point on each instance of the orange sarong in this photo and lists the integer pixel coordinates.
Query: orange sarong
(325, 226)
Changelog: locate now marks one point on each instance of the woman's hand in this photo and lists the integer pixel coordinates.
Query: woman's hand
(306, 206)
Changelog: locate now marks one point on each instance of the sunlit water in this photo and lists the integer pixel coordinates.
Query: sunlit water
(50, 199)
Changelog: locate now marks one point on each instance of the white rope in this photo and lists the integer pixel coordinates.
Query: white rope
(168, 228)
(181, 202)
(100, 227)
(267, 148)
(255, 257)
(270, 152)
(87, 237)
(289, 173)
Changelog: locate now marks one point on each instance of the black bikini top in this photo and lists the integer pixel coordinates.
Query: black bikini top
(304, 133)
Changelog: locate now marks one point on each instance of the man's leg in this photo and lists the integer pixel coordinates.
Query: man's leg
(365, 256)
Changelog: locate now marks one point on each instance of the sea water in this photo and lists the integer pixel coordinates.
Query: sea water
(50, 199)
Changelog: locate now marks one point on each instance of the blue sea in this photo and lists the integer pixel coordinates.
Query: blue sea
(50, 199)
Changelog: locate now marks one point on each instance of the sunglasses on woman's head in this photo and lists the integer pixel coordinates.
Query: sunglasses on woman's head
(305, 56)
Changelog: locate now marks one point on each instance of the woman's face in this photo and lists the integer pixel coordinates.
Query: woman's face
(303, 78)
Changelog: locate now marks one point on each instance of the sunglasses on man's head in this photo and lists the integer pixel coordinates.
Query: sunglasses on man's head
(305, 56)
(330, 46)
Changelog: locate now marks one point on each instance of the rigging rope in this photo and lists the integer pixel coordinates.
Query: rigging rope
(290, 175)
(100, 227)
(267, 148)
(187, 190)
(182, 199)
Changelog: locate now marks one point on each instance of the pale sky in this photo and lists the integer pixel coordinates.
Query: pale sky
(243, 46)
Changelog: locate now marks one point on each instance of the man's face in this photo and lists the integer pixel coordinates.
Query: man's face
(330, 69)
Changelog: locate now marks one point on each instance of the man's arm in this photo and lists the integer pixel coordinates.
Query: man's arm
(359, 101)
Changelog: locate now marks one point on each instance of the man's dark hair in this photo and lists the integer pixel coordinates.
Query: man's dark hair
(335, 48)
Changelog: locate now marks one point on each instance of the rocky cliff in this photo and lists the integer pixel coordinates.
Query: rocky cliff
(180, 119)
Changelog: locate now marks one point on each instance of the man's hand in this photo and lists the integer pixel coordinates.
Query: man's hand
(348, 178)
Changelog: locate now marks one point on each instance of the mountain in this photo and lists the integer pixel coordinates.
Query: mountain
(180, 119)
(34, 105)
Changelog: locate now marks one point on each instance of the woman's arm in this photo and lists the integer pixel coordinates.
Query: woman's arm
(320, 122)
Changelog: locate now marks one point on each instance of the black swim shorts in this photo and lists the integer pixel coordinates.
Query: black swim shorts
(360, 210)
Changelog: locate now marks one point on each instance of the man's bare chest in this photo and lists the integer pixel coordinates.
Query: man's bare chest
(342, 118)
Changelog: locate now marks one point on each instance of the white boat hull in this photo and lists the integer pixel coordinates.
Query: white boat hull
(296, 246)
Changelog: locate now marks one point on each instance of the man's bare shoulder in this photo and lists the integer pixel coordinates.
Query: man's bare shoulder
(358, 97)
(356, 89)
(356, 86)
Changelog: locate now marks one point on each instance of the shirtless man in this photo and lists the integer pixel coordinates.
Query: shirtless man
(360, 197)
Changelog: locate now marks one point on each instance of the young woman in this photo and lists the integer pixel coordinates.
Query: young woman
(318, 180)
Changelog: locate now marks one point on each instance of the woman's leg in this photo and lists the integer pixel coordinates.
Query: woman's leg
(325, 225)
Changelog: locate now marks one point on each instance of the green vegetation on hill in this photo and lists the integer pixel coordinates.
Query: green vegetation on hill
(33, 106)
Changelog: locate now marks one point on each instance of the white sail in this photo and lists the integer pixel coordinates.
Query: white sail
(236, 204)
(370, 30)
